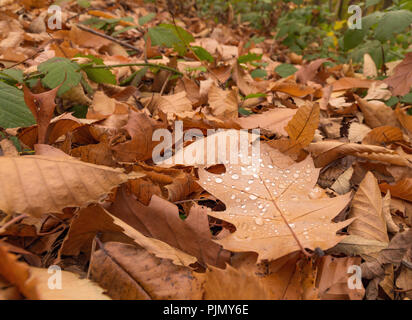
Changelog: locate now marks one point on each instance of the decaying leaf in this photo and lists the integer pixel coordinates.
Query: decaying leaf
(128, 272)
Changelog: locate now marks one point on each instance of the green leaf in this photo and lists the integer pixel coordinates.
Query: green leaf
(170, 36)
(393, 22)
(370, 3)
(244, 111)
(98, 75)
(407, 98)
(79, 111)
(285, 70)
(147, 18)
(249, 57)
(353, 37)
(116, 33)
(202, 54)
(255, 95)
(13, 111)
(83, 3)
(56, 69)
(391, 101)
(13, 74)
(258, 73)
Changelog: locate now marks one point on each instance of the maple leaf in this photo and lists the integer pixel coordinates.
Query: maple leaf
(272, 209)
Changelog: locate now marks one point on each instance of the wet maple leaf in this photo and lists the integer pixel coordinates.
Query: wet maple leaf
(256, 203)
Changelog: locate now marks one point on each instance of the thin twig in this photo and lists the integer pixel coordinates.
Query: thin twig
(165, 84)
(152, 65)
(103, 35)
(23, 61)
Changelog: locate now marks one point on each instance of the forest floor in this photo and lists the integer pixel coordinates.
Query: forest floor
(312, 199)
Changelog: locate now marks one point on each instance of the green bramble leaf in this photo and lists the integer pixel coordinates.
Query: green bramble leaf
(147, 18)
(249, 57)
(98, 75)
(170, 36)
(13, 111)
(56, 69)
(258, 73)
(202, 54)
(391, 23)
(285, 70)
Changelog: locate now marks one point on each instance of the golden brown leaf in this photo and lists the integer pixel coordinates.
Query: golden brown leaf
(128, 272)
(367, 208)
(383, 135)
(38, 185)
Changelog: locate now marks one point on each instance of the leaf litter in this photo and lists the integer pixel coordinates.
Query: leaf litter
(80, 190)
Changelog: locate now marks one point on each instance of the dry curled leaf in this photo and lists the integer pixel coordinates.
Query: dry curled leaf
(324, 152)
(38, 185)
(160, 220)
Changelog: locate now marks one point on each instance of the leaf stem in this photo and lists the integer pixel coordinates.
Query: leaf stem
(152, 65)
(307, 254)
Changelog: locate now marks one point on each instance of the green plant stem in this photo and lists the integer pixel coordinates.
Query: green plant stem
(152, 65)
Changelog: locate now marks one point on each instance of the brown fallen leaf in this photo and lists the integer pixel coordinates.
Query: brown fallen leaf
(401, 189)
(233, 284)
(128, 272)
(355, 245)
(135, 142)
(324, 152)
(72, 287)
(156, 247)
(301, 128)
(346, 83)
(275, 210)
(404, 119)
(308, 72)
(175, 105)
(99, 153)
(404, 281)
(374, 268)
(83, 228)
(383, 135)
(8, 149)
(291, 88)
(377, 113)
(160, 220)
(401, 80)
(38, 185)
(223, 103)
(18, 274)
(332, 280)
(291, 277)
(393, 254)
(271, 122)
(369, 66)
(58, 127)
(42, 107)
(386, 208)
(367, 208)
